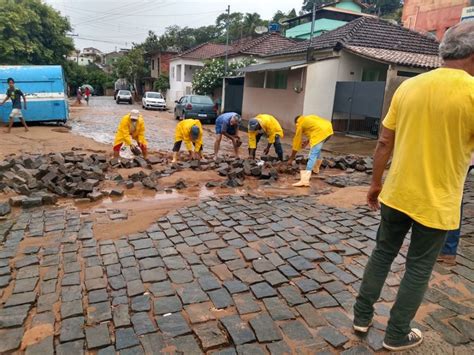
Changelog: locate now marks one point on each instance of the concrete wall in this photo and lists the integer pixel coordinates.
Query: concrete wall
(284, 104)
(434, 16)
(324, 74)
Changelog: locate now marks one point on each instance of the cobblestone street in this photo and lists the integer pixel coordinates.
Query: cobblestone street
(229, 275)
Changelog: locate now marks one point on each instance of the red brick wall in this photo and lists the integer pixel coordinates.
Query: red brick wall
(165, 62)
(432, 15)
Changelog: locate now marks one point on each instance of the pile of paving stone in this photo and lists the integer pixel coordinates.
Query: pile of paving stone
(349, 163)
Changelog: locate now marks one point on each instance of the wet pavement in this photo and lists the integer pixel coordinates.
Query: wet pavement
(235, 274)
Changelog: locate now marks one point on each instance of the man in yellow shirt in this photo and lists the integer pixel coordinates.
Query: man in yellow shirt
(131, 127)
(430, 129)
(317, 130)
(268, 125)
(189, 131)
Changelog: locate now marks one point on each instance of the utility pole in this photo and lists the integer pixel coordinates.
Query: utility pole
(313, 18)
(227, 39)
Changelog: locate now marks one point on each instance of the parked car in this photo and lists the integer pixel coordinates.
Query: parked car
(195, 106)
(153, 100)
(124, 96)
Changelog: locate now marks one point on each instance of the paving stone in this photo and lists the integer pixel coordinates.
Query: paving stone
(71, 309)
(332, 336)
(210, 335)
(26, 272)
(279, 348)
(334, 257)
(97, 336)
(117, 282)
(71, 279)
(180, 276)
(131, 273)
(375, 339)
(322, 300)
(262, 265)
(20, 299)
(245, 303)
(465, 326)
(288, 271)
(265, 329)
(141, 303)
(286, 252)
(450, 334)
(142, 324)
(311, 255)
(262, 290)
(456, 307)
(96, 284)
(334, 287)
(295, 330)
(220, 298)
(110, 350)
(358, 350)
(163, 288)
(250, 254)
(165, 305)
(187, 345)
(71, 329)
(328, 267)
(99, 312)
(25, 285)
(209, 282)
(43, 347)
(300, 263)
(173, 325)
(121, 316)
(227, 254)
(153, 343)
(238, 330)
(94, 272)
(97, 296)
(278, 309)
(10, 339)
(113, 270)
(153, 275)
(307, 285)
(275, 259)
(199, 312)
(250, 349)
(125, 338)
(235, 286)
(13, 316)
(48, 287)
(337, 319)
(150, 263)
(292, 296)
(135, 288)
(225, 351)
(73, 347)
(311, 316)
(248, 276)
(174, 262)
(192, 293)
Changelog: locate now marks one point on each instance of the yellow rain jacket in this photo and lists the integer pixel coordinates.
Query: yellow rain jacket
(124, 134)
(315, 128)
(183, 133)
(270, 126)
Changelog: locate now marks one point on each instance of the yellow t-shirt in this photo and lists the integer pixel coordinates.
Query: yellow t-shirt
(317, 129)
(270, 126)
(183, 133)
(432, 115)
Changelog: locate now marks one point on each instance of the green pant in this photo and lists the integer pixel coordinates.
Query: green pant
(425, 245)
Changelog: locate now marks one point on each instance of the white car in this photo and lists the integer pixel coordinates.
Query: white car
(124, 96)
(153, 100)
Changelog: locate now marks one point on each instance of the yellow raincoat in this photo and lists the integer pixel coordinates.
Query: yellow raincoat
(315, 128)
(124, 136)
(183, 133)
(270, 126)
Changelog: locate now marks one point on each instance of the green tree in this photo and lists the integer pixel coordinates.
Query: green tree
(33, 33)
(308, 4)
(209, 78)
(162, 84)
(132, 66)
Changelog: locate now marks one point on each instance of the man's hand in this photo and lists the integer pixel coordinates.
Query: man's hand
(373, 197)
(290, 161)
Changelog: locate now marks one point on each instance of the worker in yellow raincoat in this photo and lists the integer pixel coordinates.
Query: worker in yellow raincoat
(131, 127)
(268, 125)
(317, 130)
(189, 131)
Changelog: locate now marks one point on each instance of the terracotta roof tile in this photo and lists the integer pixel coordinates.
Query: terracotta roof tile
(261, 46)
(204, 51)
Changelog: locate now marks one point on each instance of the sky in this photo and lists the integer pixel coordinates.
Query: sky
(114, 24)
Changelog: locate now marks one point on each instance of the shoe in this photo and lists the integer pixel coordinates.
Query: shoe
(414, 338)
(317, 166)
(361, 329)
(447, 259)
(305, 176)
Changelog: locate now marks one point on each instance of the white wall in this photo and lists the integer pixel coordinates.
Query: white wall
(179, 88)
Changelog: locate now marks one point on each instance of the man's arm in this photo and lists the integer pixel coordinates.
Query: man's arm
(382, 154)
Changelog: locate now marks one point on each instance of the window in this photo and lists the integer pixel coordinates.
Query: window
(201, 100)
(277, 79)
(256, 79)
(178, 72)
(158, 65)
(172, 72)
(370, 75)
(152, 64)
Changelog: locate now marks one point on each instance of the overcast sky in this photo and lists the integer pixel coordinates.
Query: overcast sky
(111, 24)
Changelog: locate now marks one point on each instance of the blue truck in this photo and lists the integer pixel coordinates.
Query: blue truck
(44, 87)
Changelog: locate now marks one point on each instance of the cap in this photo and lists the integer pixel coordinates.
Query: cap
(134, 114)
(195, 131)
(253, 124)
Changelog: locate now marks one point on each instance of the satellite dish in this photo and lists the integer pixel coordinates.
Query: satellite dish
(261, 30)
(283, 22)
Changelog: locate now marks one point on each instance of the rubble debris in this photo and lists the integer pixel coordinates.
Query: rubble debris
(180, 184)
(5, 209)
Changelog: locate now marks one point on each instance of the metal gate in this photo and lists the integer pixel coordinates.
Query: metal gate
(358, 107)
(234, 95)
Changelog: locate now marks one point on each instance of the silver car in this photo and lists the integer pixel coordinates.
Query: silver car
(124, 96)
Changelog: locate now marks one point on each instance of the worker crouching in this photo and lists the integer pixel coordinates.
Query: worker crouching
(268, 125)
(189, 131)
(130, 129)
(317, 130)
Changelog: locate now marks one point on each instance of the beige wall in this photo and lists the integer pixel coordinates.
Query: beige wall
(283, 104)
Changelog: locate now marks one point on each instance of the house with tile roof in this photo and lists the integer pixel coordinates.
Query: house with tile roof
(347, 75)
